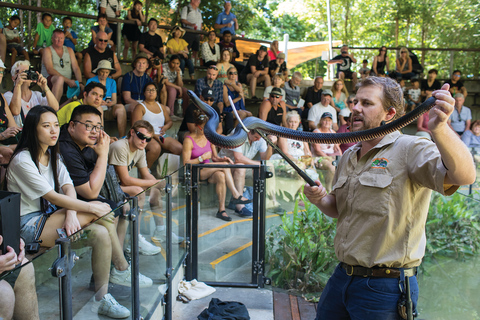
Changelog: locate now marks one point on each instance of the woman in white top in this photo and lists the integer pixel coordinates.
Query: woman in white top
(152, 111)
(293, 149)
(38, 173)
(210, 50)
(22, 99)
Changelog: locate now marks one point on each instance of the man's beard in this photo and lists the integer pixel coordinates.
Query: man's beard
(210, 82)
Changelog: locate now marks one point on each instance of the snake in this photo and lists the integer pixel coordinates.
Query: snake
(253, 123)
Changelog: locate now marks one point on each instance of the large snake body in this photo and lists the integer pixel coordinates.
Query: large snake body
(238, 138)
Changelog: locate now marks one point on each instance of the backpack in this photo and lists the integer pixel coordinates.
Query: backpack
(111, 187)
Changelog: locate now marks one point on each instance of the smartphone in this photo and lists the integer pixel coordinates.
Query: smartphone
(61, 233)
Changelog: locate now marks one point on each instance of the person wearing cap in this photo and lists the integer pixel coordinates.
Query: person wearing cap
(344, 63)
(97, 53)
(380, 198)
(278, 66)
(273, 110)
(59, 64)
(226, 20)
(256, 71)
(134, 81)
(316, 111)
(461, 116)
(325, 153)
(151, 43)
(21, 99)
(178, 46)
(109, 102)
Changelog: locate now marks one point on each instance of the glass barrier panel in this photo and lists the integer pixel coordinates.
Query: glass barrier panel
(224, 247)
(179, 218)
(152, 204)
(102, 274)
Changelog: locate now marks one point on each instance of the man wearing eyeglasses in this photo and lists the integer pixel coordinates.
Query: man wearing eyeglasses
(100, 52)
(461, 116)
(59, 64)
(92, 96)
(456, 85)
(316, 111)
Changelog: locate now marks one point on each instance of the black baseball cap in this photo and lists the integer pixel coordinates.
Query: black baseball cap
(276, 91)
(207, 93)
(327, 115)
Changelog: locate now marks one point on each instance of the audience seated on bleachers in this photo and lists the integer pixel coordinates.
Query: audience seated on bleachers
(92, 96)
(226, 20)
(325, 153)
(232, 88)
(294, 149)
(22, 99)
(33, 177)
(224, 64)
(111, 8)
(71, 37)
(344, 64)
(44, 33)
(345, 127)
(403, 66)
(155, 72)
(197, 149)
(272, 110)
(97, 53)
(430, 84)
(316, 111)
(292, 93)
(131, 32)
(134, 81)
(381, 63)
(227, 43)
(191, 18)
(18, 295)
(461, 116)
(340, 94)
(9, 131)
(274, 51)
(127, 153)
(109, 102)
(59, 64)
(414, 95)
(151, 43)
(174, 84)
(178, 46)
(472, 137)
(102, 25)
(256, 71)
(364, 70)
(313, 96)
(277, 82)
(158, 116)
(14, 42)
(278, 66)
(346, 111)
(210, 50)
(456, 85)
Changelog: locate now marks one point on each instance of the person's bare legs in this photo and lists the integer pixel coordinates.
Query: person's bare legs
(26, 303)
(163, 95)
(120, 114)
(7, 300)
(125, 49)
(3, 47)
(153, 151)
(13, 57)
(239, 178)
(219, 179)
(252, 83)
(172, 145)
(134, 48)
(57, 87)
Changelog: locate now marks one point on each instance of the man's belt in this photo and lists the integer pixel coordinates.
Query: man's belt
(378, 272)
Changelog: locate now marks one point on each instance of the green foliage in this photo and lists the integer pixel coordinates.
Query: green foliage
(307, 69)
(453, 227)
(300, 251)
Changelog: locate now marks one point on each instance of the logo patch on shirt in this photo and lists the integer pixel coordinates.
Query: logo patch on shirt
(380, 163)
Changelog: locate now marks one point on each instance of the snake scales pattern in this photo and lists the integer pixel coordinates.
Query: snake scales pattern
(239, 137)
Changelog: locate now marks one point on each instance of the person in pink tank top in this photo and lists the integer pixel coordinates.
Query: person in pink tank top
(197, 149)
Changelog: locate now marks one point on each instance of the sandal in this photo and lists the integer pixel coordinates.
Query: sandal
(240, 201)
(220, 215)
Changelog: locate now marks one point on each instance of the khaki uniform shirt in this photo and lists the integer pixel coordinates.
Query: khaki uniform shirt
(383, 199)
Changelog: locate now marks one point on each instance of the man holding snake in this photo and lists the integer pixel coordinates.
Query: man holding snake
(380, 196)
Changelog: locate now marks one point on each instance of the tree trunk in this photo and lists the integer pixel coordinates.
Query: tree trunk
(347, 13)
(396, 31)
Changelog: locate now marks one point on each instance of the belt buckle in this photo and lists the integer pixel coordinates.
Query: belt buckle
(351, 272)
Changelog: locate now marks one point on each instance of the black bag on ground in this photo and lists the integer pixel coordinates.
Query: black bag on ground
(224, 310)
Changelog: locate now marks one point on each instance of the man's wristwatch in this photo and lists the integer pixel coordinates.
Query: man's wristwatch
(200, 159)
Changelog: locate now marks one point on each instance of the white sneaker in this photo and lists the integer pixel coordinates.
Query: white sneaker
(161, 236)
(109, 307)
(124, 278)
(144, 247)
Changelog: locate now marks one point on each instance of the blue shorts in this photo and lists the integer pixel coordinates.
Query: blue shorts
(29, 224)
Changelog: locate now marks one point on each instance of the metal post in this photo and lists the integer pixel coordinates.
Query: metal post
(62, 269)
(257, 189)
(194, 240)
(286, 37)
(119, 40)
(168, 273)
(189, 202)
(262, 227)
(135, 263)
(330, 44)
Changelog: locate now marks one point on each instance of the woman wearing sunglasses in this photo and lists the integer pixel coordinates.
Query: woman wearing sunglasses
(232, 88)
(404, 67)
(197, 149)
(152, 111)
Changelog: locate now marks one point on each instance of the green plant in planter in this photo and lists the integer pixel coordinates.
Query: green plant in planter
(453, 226)
(300, 251)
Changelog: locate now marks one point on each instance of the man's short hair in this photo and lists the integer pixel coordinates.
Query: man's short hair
(459, 95)
(101, 15)
(297, 75)
(67, 18)
(141, 124)
(455, 71)
(392, 93)
(84, 109)
(58, 31)
(14, 17)
(92, 85)
(433, 71)
(152, 19)
(414, 80)
(46, 14)
(226, 32)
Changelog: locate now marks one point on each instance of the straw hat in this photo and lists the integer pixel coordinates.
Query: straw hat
(104, 64)
(177, 28)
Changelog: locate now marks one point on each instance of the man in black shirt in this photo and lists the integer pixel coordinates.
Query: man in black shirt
(456, 86)
(279, 66)
(151, 43)
(344, 63)
(256, 71)
(98, 52)
(313, 96)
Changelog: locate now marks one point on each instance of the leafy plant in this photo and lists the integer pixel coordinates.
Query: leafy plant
(300, 251)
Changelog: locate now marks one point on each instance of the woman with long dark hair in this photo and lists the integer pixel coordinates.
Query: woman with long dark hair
(38, 173)
(380, 63)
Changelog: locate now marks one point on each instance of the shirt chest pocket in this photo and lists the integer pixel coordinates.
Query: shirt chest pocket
(373, 193)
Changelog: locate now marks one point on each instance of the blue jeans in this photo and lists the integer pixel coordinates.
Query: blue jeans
(353, 297)
(189, 63)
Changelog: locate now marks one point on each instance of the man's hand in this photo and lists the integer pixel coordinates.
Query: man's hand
(444, 106)
(8, 260)
(102, 145)
(315, 194)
